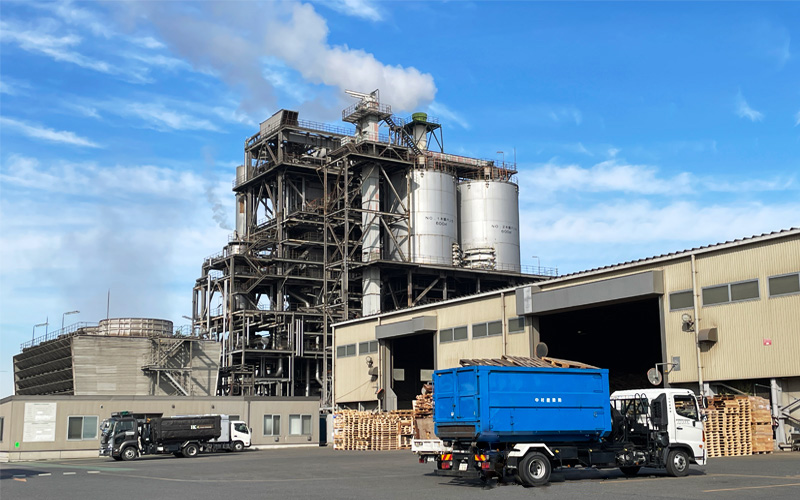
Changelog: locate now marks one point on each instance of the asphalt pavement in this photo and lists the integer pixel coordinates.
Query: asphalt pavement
(323, 473)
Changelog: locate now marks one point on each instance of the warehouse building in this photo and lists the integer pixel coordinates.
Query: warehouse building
(59, 427)
(725, 317)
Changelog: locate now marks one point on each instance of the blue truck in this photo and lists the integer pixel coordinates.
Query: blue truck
(524, 422)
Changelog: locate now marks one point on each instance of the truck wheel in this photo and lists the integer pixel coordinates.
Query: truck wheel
(677, 463)
(129, 453)
(238, 446)
(190, 450)
(534, 470)
(630, 471)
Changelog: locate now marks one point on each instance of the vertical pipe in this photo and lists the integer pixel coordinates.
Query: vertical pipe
(308, 377)
(777, 406)
(697, 327)
(505, 323)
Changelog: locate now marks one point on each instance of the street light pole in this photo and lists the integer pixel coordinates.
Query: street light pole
(65, 314)
(33, 333)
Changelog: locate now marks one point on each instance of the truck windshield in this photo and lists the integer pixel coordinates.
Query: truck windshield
(241, 427)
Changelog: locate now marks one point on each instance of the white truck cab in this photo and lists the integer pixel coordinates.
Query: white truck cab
(685, 421)
(240, 433)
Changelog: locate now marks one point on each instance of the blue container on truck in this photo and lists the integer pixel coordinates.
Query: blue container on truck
(496, 404)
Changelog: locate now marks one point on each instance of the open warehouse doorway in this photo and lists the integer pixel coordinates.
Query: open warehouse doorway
(412, 366)
(625, 338)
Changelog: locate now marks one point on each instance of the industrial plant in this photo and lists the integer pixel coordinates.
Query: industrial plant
(334, 224)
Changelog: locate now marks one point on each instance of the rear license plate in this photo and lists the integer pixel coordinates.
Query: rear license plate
(462, 466)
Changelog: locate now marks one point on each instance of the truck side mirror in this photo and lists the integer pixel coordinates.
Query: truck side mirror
(704, 418)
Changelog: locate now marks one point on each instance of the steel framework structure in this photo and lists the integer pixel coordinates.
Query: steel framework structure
(307, 198)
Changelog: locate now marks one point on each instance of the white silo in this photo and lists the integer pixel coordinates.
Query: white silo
(433, 217)
(489, 224)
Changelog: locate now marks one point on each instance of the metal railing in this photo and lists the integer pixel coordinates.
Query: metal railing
(66, 331)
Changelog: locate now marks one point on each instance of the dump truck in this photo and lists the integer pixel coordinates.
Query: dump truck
(126, 436)
(524, 422)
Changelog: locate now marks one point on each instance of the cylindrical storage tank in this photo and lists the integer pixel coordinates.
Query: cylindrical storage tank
(135, 327)
(488, 217)
(433, 208)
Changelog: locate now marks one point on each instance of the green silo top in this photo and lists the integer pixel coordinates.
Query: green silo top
(419, 117)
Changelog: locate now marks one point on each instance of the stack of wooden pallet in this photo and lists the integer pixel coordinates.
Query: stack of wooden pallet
(423, 407)
(761, 425)
(728, 431)
(363, 430)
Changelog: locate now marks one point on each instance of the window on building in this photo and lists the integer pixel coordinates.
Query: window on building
(516, 325)
(368, 347)
(732, 292)
(681, 300)
(299, 425)
(81, 428)
(487, 329)
(453, 334)
(345, 351)
(272, 425)
(784, 285)
(234, 417)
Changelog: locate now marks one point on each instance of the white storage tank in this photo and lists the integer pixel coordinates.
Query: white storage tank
(434, 208)
(489, 224)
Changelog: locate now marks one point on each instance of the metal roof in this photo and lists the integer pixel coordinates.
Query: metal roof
(681, 253)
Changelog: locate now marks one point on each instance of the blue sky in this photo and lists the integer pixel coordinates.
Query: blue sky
(638, 128)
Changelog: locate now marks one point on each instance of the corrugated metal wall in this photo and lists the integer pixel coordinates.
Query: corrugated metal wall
(113, 365)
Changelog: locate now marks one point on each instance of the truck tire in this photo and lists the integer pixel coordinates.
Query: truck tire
(631, 470)
(238, 446)
(677, 463)
(534, 469)
(190, 450)
(128, 453)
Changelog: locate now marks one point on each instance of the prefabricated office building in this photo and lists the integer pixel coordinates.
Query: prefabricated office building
(726, 316)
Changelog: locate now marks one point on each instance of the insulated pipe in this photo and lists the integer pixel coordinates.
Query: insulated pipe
(777, 411)
(316, 374)
(308, 377)
(304, 301)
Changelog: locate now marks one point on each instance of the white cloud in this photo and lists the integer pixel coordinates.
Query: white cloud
(641, 221)
(364, 9)
(566, 114)
(605, 176)
(164, 114)
(745, 111)
(299, 38)
(57, 47)
(104, 181)
(613, 152)
(82, 18)
(441, 111)
(160, 117)
(39, 132)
